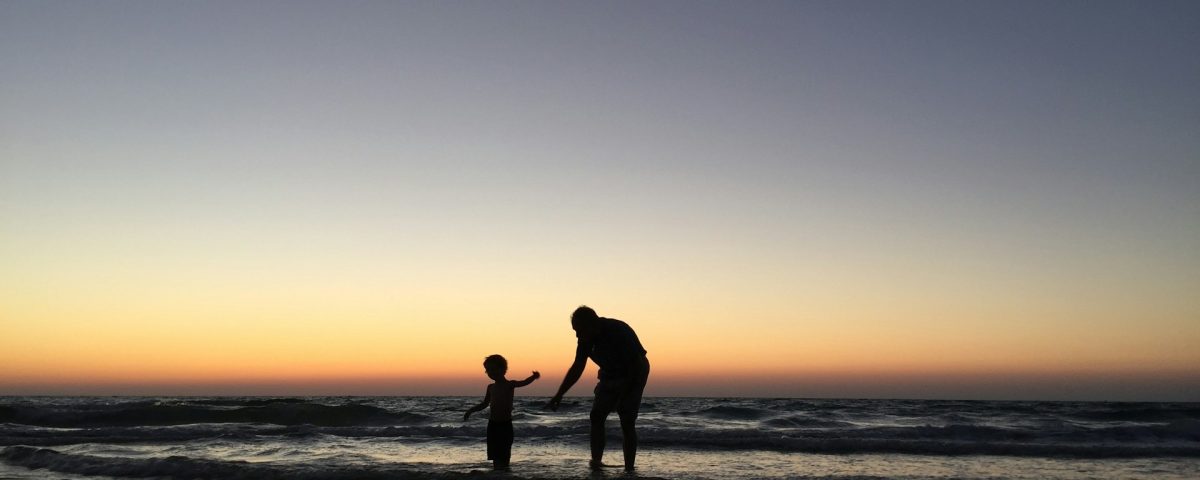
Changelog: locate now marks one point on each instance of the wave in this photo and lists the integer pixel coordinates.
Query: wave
(279, 413)
(12, 434)
(1167, 441)
(203, 469)
(944, 428)
(42, 458)
(725, 412)
(754, 440)
(184, 467)
(1187, 431)
(245, 402)
(798, 421)
(1141, 413)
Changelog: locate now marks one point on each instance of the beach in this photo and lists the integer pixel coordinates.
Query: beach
(702, 438)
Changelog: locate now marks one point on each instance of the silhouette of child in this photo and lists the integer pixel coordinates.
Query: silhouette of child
(500, 396)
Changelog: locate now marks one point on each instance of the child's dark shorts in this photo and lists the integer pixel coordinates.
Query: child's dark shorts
(499, 440)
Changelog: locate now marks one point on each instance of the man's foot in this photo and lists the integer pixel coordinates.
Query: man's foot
(598, 465)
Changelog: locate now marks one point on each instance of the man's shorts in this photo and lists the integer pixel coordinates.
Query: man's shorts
(621, 394)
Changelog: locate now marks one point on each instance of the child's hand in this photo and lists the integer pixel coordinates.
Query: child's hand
(536, 375)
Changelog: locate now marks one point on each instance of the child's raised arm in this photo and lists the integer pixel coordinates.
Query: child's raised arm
(527, 381)
(487, 400)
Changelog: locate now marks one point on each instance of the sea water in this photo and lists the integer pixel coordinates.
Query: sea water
(701, 438)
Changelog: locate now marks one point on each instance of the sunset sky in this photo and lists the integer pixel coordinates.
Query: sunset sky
(817, 199)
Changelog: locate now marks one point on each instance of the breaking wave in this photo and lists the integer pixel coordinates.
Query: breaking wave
(192, 468)
(279, 413)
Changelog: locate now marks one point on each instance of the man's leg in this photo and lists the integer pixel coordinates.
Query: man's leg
(629, 441)
(604, 403)
(598, 418)
(627, 409)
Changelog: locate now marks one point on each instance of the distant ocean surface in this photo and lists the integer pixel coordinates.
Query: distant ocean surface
(701, 438)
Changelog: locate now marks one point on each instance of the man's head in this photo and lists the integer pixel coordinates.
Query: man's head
(495, 366)
(584, 321)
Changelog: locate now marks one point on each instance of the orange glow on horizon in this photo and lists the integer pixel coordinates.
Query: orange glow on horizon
(235, 336)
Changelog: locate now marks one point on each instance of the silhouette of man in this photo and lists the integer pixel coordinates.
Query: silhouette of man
(615, 348)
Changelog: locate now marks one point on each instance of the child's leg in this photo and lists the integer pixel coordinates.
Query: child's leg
(493, 453)
(508, 442)
(499, 442)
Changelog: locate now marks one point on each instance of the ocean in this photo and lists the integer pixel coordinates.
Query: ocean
(693, 438)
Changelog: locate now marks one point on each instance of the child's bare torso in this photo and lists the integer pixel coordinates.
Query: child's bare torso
(502, 400)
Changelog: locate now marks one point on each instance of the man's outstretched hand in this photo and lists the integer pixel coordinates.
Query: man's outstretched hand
(552, 405)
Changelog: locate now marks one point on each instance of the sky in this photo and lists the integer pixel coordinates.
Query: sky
(980, 200)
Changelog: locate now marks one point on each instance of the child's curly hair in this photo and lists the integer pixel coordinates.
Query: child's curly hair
(495, 362)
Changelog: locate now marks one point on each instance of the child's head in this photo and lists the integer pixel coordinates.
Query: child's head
(495, 366)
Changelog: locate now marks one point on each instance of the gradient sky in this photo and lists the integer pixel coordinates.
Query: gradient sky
(847, 199)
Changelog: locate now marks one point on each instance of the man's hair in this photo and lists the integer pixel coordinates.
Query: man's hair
(495, 362)
(583, 315)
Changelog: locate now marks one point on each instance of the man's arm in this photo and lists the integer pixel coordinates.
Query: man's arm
(573, 374)
(487, 399)
(527, 381)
